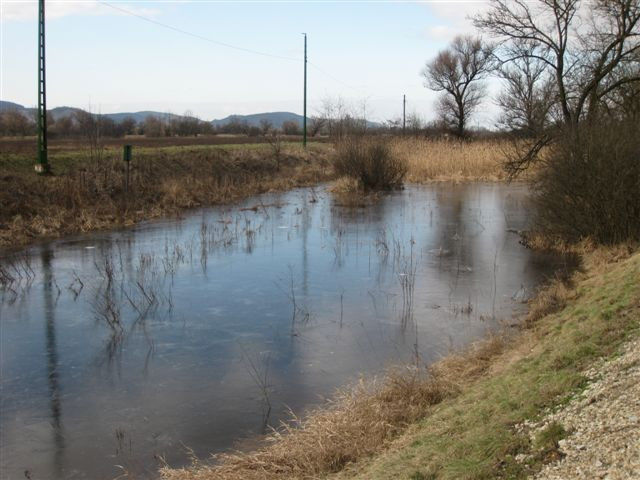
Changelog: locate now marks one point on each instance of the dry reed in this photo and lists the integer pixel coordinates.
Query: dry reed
(451, 160)
(359, 422)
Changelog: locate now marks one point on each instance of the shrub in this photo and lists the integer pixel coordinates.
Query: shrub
(371, 162)
(589, 186)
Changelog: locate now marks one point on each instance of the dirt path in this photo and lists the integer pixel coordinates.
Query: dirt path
(603, 424)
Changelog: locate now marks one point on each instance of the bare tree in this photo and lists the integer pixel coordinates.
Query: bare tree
(529, 95)
(414, 124)
(63, 127)
(153, 126)
(624, 101)
(457, 71)
(89, 127)
(14, 123)
(339, 119)
(315, 125)
(129, 125)
(265, 126)
(291, 127)
(584, 48)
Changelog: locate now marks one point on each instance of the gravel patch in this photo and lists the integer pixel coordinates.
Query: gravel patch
(603, 424)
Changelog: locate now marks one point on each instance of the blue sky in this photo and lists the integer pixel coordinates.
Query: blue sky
(367, 53)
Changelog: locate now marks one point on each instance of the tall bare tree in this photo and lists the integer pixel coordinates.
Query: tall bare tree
(584, 44)
(528, 97)
(265, 127)
(14, 123)
(457, 71)
(316, 124)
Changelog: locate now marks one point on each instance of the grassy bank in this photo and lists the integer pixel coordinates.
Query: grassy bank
(87, 191)
(458, 419)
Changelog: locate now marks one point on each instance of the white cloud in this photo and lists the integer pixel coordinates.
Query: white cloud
(458, 10)
(454, 17)
(17, 10)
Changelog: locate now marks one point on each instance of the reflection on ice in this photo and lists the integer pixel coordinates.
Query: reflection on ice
(117, 347)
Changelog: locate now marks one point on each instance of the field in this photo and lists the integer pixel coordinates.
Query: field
(26, 145)
(88, 189)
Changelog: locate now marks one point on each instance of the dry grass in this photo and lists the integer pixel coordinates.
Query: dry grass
(365, 420)
(590, 260)
(358, 423)
(346, 185)
(446, 160)
(86, 195)
(472, 436)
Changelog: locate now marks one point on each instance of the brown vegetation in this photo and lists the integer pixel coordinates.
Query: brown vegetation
(451, 160)
(591, 187)
(366, 420)
(27, 145)
(358, 422)
(87, 194)
(371, 161)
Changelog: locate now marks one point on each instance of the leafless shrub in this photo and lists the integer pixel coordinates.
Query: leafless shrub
(590, 187)
(370, 161)
(274, 139)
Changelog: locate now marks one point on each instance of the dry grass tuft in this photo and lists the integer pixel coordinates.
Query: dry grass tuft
(447, 160)
(358, 423)
(346, 185)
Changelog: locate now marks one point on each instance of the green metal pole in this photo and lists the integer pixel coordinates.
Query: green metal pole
(43, 162)
(304, 119)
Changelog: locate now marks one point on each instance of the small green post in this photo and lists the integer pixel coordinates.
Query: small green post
(304, 118)
(126, 156)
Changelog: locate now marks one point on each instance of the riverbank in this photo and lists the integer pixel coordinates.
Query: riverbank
(462, 417)
(88, 189)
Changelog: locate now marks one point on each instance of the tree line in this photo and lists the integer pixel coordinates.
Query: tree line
(82, 124)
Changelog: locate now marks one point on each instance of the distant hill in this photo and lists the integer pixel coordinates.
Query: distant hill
(57, 112)
(275, 118)
(140, 116)
(10, 106)
(61, 112)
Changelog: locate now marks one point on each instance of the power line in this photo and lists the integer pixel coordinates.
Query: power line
(195, 35)
(332, 77)
(224, 44)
